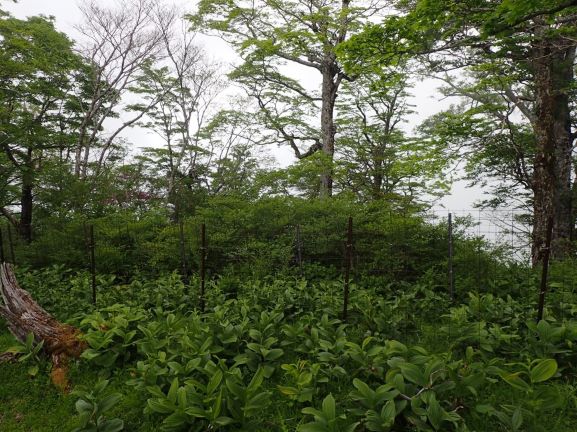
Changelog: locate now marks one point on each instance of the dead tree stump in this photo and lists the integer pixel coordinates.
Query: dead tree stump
(25, 316)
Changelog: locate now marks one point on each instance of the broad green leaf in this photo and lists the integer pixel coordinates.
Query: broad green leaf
(434, 412)
(543, 370)
(163, 406)
(173, 391)
(108, 402)
(516, 381)
(312, 427)
(329, 407)
(113, 425)
(412, 373)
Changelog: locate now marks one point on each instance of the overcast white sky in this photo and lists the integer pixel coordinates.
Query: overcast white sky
(426, 99)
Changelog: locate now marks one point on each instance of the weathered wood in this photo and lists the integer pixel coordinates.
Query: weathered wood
(25, 316)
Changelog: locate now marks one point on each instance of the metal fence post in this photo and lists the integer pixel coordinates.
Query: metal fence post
(202, 265)
(92, 262)
(348, 258)
(451, 275)
(299, 249)
(182, 251)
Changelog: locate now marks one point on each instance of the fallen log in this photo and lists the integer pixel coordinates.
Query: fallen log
(25, 316)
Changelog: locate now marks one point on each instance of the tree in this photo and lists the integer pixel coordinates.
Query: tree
(487, 130)
(378, 158)
(177, 100)
(118, 43)
(535, 39)
(38, 73)
(271, 36)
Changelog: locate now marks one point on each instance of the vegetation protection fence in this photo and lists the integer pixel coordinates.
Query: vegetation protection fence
(457, 253)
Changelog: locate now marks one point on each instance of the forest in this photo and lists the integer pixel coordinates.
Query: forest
(223, 215)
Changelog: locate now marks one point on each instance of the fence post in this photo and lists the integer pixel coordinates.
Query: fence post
(182, 251)
(202, 265)
(451, 275)
(545, 270)
(11, 244)
(348, 258)
(91, 245)
(299, 249)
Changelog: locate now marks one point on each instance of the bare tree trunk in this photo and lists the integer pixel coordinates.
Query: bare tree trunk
(25, 316)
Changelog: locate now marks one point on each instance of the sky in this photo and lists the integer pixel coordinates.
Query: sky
(426, 99)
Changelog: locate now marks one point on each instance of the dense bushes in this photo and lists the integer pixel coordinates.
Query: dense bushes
(261, 238)
(275, 356)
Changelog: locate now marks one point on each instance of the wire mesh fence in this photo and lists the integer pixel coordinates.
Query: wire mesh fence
(388, 246)
(461, 254)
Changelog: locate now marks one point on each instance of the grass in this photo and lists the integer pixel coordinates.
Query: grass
(33, 404)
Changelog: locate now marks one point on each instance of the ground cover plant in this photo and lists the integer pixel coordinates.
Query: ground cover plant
(274, 355)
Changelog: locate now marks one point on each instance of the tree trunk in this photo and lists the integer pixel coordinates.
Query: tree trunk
(553, 75)
(25, 316)
(26, 202)
(328, 130)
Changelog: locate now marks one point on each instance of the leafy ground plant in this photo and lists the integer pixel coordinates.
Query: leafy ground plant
(92, 407)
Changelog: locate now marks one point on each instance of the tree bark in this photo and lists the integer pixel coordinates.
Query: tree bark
(25, 316)
(553, 76)
(329, 95)
(26, 203)
(26, 199)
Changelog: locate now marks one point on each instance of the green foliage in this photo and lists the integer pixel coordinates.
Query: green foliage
(29, 352)
(274, 355)
(111, 334)
(92, 407)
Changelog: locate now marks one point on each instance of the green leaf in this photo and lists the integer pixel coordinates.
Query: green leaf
(412, 373)
(314, 412)
(289, 391)
(434, 412)
(223, 421)
(274, 354)
(329, 408)
(214, 382)
(175, 421)
(312, 427)
(90, 354)
(112, 425)
(516, 381)
(256, 403)
(162, 406)
(389, 412)
(517, 419)
(108, 402)
(256, 380)
(173, 391)
(543, 370)
(217, 406)
(364, 389)
(83, 406)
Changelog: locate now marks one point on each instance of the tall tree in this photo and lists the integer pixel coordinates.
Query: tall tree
(117, 42)
(379, 160)
(37, 76)
(537, 37)
(274, 36)
(185, 86)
